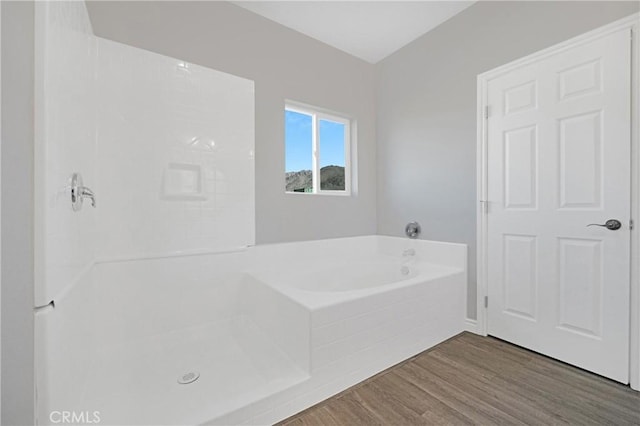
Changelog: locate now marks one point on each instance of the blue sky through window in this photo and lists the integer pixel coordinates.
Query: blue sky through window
(331, 143)
(298, 142)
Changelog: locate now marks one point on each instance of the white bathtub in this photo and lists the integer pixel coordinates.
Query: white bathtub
(272, 329)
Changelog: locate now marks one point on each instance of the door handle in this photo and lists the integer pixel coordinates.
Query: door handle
(611, 224)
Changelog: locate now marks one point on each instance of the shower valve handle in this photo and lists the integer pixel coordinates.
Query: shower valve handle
(79, 192)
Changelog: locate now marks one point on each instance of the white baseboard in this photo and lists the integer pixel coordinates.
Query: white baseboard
(471, 325)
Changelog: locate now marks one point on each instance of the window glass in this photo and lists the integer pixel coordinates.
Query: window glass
(299, 151)
(332, 158)
(317, 151)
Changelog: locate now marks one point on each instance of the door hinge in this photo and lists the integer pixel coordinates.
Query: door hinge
(630, 224)
(485, 206)
(486, 301)
(486, 111)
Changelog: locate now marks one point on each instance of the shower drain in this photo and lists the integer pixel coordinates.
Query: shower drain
(189, 377)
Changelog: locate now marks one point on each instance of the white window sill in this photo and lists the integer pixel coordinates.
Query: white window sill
(321, 194)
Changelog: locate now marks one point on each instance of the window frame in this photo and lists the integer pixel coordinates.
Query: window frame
(318, 114)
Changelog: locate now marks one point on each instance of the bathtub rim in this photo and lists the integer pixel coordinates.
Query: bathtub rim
(316, 300)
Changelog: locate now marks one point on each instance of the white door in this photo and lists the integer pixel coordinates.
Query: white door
(559, 160)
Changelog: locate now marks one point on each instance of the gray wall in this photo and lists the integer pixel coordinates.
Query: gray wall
(426, 110)
(17, 212)
(284, 65)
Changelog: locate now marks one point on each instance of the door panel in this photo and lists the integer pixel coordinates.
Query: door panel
(520, 275)
(581, 161)
(559, 160)
(520, 98)
(580, 286)
(520, 180)
(578, 80)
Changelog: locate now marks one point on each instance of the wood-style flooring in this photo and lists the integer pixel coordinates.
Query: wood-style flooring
(477, 380)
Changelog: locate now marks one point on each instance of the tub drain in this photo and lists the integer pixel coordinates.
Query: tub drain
(189, 377)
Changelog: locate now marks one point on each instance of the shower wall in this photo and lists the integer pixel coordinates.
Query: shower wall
(175, 150)
(166, 146)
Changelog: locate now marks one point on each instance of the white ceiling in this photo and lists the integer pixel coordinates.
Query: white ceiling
(370, 30)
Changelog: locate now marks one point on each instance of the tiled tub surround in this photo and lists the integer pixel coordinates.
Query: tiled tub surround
(265, 346)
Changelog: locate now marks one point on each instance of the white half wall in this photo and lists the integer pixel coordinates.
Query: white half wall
(426, 110)
(284, 65)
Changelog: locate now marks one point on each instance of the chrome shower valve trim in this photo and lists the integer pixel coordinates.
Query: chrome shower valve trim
(79, 192)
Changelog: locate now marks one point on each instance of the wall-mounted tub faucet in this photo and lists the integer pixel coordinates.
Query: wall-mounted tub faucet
(412, 230)
(79, 192)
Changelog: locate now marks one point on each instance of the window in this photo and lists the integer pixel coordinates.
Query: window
(317, 151)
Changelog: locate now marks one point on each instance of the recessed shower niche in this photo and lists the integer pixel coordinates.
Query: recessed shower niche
(182, 182)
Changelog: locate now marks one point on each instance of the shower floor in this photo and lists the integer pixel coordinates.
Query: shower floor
(138, 382)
